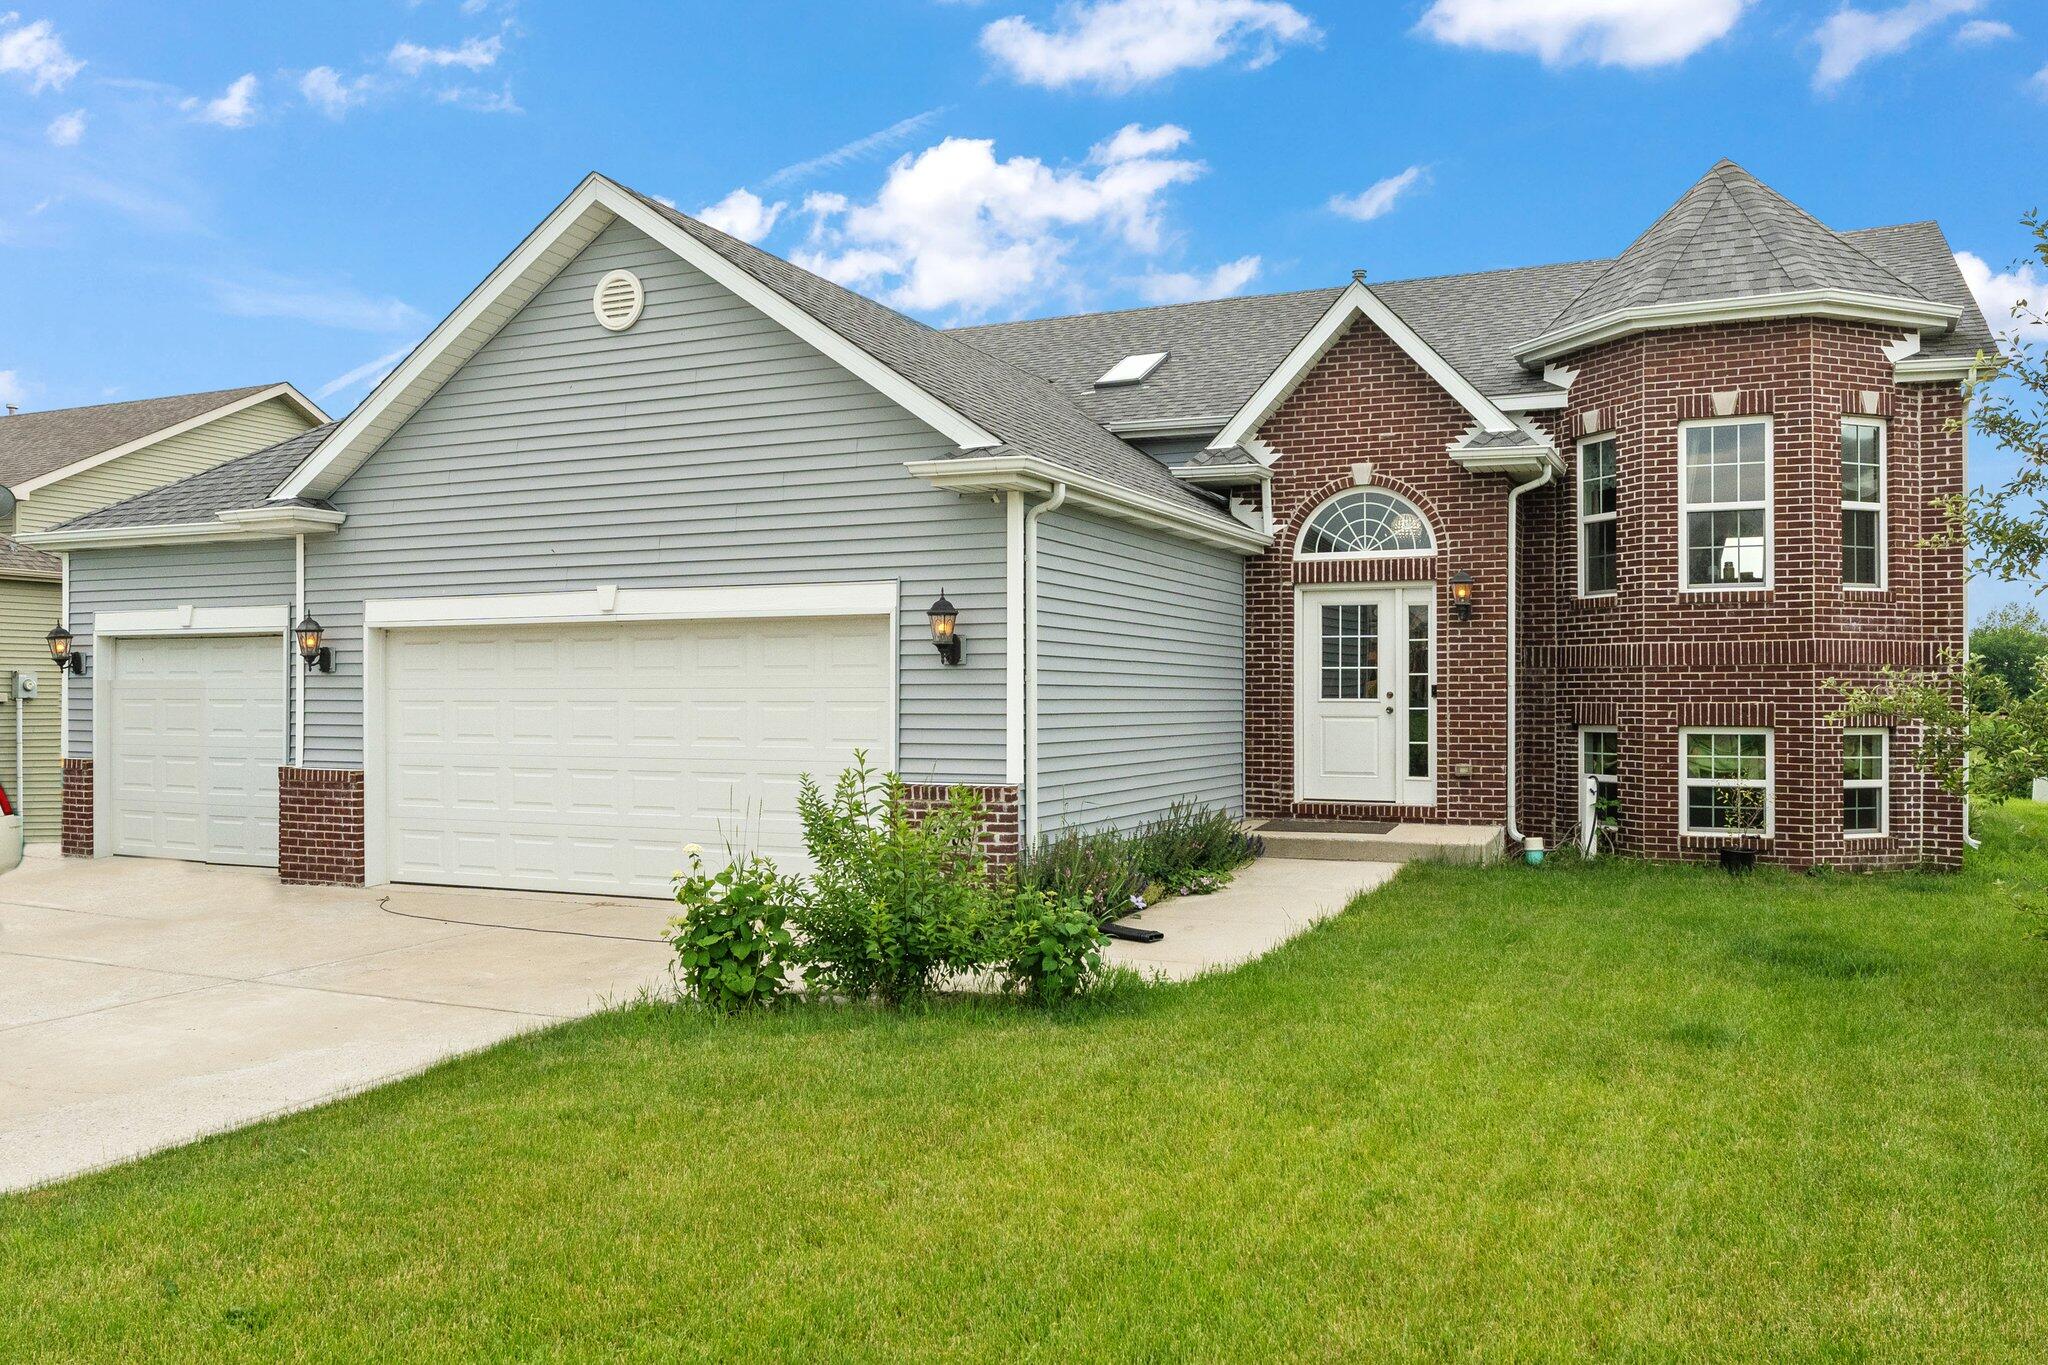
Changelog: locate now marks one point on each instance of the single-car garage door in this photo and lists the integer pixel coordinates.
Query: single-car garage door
(198, 733)
(584, 757)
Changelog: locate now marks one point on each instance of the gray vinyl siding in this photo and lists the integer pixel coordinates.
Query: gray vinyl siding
(1140, 674)
(237, 574)
(705, 446)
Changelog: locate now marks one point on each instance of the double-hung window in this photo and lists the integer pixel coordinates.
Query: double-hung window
(1724, 779)
(1866, 782)
(1600, 761)
(1599, 525)
(1863, 478)
(1724, 494)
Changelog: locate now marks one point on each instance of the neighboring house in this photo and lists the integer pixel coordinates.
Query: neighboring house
(651, 524)
(57, 465)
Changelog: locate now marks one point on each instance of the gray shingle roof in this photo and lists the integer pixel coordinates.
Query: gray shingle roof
(1028, 414)
(240, 483)
(34, 443)
(1730, 236)
(18, 561)
(1919, 254)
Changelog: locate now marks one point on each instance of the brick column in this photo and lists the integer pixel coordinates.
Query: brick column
(320, 826)
(77, 830)
(1002, 830)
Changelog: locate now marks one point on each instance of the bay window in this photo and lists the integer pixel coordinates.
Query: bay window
(1724, 781)
(1599, 523)
(1863, 490)
(1724, 494)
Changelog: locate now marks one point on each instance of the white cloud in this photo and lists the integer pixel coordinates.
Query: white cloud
(1631, 33)
(363, 375)
(482, 101)
(742, 214)
(324, 89)
(1984, 31)
(326, 306)
(12, 390)
(1184, 287)
(852, 151)
(234, 107)
(1118, 44)
(2040, 82)
(1378, 199)
(35, 54)
(66, 130)
(472, 54)
(1999, 292)
(954, 228)
(1851, 37)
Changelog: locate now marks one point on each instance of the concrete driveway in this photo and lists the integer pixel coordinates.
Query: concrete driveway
(146, 1003)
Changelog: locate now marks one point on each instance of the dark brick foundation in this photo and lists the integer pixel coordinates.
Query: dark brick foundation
(320, 826)
(1002, 838)
(77, 833)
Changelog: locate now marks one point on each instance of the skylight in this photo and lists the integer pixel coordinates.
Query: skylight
(1132, 369)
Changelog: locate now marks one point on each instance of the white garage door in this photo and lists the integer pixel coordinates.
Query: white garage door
(198, 733)
(583, 758)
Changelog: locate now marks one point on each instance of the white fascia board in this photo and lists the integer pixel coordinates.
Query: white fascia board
(1222, 473)
(1830, 303)
(1522, 462)
(1531, 402)
(193, 621)
(1024, 473)
(1357, 300)
(307, 408)
(1937, 370)
(594, 205)
(1168, 426)
(278, 524)
(779, 600)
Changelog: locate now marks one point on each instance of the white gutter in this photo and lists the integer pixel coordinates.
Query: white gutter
(1051, 504)
(1028, 474)
(1514, 525)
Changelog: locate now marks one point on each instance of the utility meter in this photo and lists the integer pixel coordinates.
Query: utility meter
(24, 688)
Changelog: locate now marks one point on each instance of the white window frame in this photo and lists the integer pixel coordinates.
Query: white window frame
(1884, 476)
(1308, 521)
(1585, 772)
(1686, 507)
(1769, 828)
(1585, 519)
(1882, 785)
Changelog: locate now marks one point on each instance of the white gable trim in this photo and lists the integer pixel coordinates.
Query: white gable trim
(595, 205)
(307, 408)
(1826, 303)
(998, 474)
(1357, 300)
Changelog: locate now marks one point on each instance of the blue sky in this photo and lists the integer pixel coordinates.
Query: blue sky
(201, 196)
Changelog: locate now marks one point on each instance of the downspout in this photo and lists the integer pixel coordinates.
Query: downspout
(1051, 504)
(298, 674)
(1549, 473)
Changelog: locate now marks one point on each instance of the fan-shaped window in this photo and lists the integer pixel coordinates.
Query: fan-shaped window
(1366, 521)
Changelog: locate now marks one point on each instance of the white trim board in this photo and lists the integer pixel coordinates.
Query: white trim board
(254, 523)
(307, 408)
(1851, 305)
(600, 604)
(575, 223)
(1356, 301)
(1028, 474)
(193, 621)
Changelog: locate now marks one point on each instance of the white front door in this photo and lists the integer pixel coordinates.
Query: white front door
(1363, 710)
(584, 757)
(197, 736)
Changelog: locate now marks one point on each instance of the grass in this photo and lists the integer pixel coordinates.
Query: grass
(1615, 1110)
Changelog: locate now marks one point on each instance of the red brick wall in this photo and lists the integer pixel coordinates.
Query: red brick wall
(77, 836)
(1653, 659)
(1000, 807)
(320, 826)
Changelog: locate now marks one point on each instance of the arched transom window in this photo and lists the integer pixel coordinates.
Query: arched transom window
(1366, 521)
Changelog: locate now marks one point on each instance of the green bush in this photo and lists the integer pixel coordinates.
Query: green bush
(732, 940)
(1189, 851)
(896, 900)
(1055, 947)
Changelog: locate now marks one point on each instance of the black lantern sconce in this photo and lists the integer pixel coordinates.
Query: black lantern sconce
(68, 659)
(319, 658)
(1461, 594)
(945, 628)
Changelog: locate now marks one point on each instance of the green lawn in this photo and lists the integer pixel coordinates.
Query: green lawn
(1499, 1112)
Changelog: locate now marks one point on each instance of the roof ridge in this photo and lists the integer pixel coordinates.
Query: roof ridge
(153, 398)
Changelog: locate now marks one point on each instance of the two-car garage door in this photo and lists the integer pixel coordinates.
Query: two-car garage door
(585, 757)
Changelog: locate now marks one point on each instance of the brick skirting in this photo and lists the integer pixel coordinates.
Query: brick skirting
(1001, 807)
(320, 826)
(77, 833)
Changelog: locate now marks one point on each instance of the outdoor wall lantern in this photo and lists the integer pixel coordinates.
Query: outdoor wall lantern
(68, 659)
(1461, 594)
(317, 656)
(945, 634)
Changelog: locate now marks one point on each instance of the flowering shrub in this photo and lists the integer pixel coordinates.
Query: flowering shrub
(732, 940)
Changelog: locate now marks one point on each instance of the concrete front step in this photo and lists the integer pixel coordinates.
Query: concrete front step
(1402, 843)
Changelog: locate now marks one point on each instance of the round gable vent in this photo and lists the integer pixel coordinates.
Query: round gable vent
(618, 300)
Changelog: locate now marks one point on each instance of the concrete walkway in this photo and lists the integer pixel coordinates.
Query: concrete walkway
(1266, 903)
